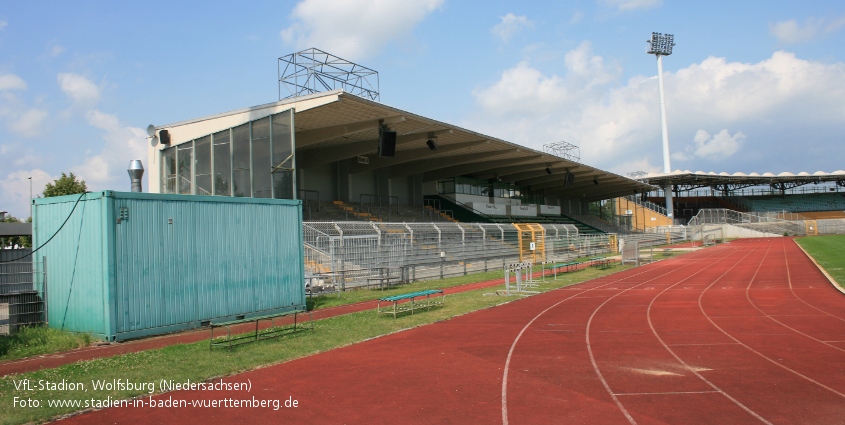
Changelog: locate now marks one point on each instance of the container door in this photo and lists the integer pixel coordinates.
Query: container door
(147, 272)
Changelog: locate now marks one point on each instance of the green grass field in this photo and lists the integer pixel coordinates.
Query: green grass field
(170, 362)
(829, 252)
(33, 341)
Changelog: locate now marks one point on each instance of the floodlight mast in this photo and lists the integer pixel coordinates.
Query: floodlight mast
(661, 45)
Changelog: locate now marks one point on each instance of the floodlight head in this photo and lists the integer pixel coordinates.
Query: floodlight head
(660, 44)
(432, 143)
(596, 181)
(549, 171)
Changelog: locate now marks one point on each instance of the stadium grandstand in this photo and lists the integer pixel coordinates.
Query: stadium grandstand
(820, 195)
(349, 157)
(387, 193)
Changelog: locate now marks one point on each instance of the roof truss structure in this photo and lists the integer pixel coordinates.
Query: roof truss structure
(685, 180)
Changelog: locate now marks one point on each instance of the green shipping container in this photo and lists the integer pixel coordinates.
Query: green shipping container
(124, 265)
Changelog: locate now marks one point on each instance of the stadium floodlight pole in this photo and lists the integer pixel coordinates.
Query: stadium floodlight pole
(661, 45)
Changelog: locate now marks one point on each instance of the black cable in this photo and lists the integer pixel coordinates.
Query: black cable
(54, 234)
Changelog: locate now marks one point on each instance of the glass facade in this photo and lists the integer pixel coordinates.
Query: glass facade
(222, 163)
(470, 186)
(251, 160)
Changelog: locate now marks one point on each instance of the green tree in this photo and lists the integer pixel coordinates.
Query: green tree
(65, 185)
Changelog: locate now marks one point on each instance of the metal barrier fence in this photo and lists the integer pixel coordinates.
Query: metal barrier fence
(776, 223)
(352, 254)
(355, 254)
(832, 226)
(20, 301)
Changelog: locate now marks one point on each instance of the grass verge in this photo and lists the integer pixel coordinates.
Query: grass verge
(170, 362)
(827, 251)
(37, 340)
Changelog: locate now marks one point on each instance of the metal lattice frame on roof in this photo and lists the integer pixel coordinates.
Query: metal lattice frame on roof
(313, 71)
(563, 150)
(637, 175)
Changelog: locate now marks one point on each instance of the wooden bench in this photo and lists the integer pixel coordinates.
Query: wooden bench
(398, 307)
(271, 332)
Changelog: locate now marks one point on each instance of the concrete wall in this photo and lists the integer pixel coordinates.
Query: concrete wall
(320, 178)
(360, 183)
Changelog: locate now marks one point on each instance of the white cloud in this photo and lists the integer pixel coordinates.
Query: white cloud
(18, 117)
(11, 82)
(29, 123)
(3, 24)
(625, 5)
(27, 160)
(107, 169)
(510, 25)
(354, 29)
(782, 104)
(720, 146)
(14, 190)
(56, 50)
(79, 88)
(791, 32)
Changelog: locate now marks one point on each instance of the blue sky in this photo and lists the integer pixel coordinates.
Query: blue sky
(752, 86)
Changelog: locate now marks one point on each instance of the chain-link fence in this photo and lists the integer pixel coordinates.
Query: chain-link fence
(20, 302)
(831, 226)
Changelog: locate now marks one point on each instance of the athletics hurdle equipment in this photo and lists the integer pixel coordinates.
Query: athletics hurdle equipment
(522, 282)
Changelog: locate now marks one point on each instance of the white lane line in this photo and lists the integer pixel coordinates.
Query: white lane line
(673, 393)
(770, 360)
(694, 370)
(645, 269)
(593, 358)
(750, 301)
(789, 278)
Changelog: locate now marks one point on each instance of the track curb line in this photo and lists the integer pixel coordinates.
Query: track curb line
(821, 269)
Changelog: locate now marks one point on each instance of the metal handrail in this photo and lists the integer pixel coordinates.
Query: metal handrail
(373, 198)
(305, 192)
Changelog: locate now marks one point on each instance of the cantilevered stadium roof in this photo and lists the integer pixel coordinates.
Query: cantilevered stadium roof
(336, 125)
(688, 180)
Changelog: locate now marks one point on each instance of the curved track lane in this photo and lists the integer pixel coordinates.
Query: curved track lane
(747, 332)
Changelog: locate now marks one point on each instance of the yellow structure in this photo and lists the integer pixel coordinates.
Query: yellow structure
(641, 218)
(811, 227)
(532, 246)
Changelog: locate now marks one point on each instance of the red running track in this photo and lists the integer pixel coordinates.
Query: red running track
(746, 332)
(30, 364)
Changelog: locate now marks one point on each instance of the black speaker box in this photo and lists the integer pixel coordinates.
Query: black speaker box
(386, 143)
(164, 137)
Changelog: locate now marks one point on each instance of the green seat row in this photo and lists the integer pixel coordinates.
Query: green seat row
(426, 302)
(412, 295)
